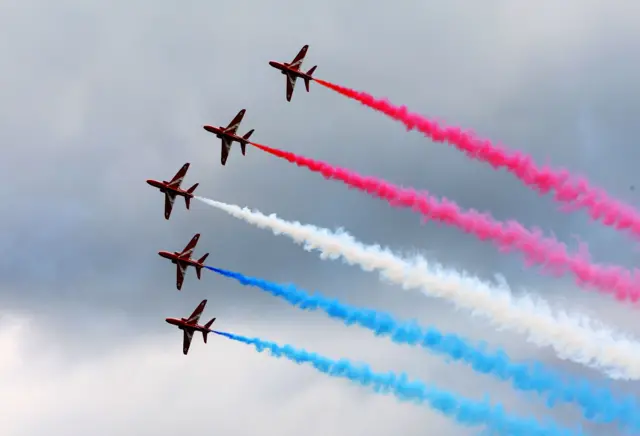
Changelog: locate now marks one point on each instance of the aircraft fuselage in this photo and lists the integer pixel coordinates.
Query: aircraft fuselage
(157, 184)
(182, 325)
(175, 258)
(215, 130)
(162, 186)
(285, 69)
(221, 133)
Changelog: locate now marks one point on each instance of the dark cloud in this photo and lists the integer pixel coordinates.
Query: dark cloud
(95, 100)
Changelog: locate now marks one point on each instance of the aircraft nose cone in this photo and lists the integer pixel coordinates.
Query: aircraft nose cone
(150, 182)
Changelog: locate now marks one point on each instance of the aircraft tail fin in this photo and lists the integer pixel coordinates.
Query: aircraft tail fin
(307, 80)
(206, 333)
(199, 268)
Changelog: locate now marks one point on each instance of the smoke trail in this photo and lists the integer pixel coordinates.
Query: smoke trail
(464, 411)
(573, 337)
(597, 405)
(547, 252)
(573, 191)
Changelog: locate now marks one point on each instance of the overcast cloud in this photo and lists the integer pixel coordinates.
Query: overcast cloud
(95, 99)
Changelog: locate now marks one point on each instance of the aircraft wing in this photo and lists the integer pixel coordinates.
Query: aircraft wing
(224, 152)
(296, 63)
(169, 198)
(186, 341)
(188, 250)
(177, 179)
(195, 316)
(291, 84)
(235, 122)
(181, 270)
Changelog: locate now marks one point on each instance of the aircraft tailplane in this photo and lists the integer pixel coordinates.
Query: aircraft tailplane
(307, 80)
(243, 146)
(193, 188)
(187, 200)
(199, 268)
(206, 332)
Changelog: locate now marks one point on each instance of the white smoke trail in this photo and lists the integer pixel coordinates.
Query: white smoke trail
(573, 337)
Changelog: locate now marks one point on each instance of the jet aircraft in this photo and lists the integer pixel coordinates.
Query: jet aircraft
(172, 189)
(228, 135)
(292, 71)
(183, 260)
(190, 325)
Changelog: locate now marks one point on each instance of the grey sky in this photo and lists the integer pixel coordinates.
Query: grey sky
(97, 99)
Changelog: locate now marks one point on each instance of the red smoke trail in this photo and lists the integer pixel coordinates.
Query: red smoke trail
(549, 253)
(571, 190)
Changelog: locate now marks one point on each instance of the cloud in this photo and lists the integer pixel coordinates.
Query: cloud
(146, 385)
(95, 100)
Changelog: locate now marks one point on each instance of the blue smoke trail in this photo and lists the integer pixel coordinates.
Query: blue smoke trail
(464, 411)
(598, 404)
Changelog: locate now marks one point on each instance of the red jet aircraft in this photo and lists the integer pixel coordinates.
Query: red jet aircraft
(228, 135)
(183, 260)
(172, 189)
(292, 71)
(190, 325)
